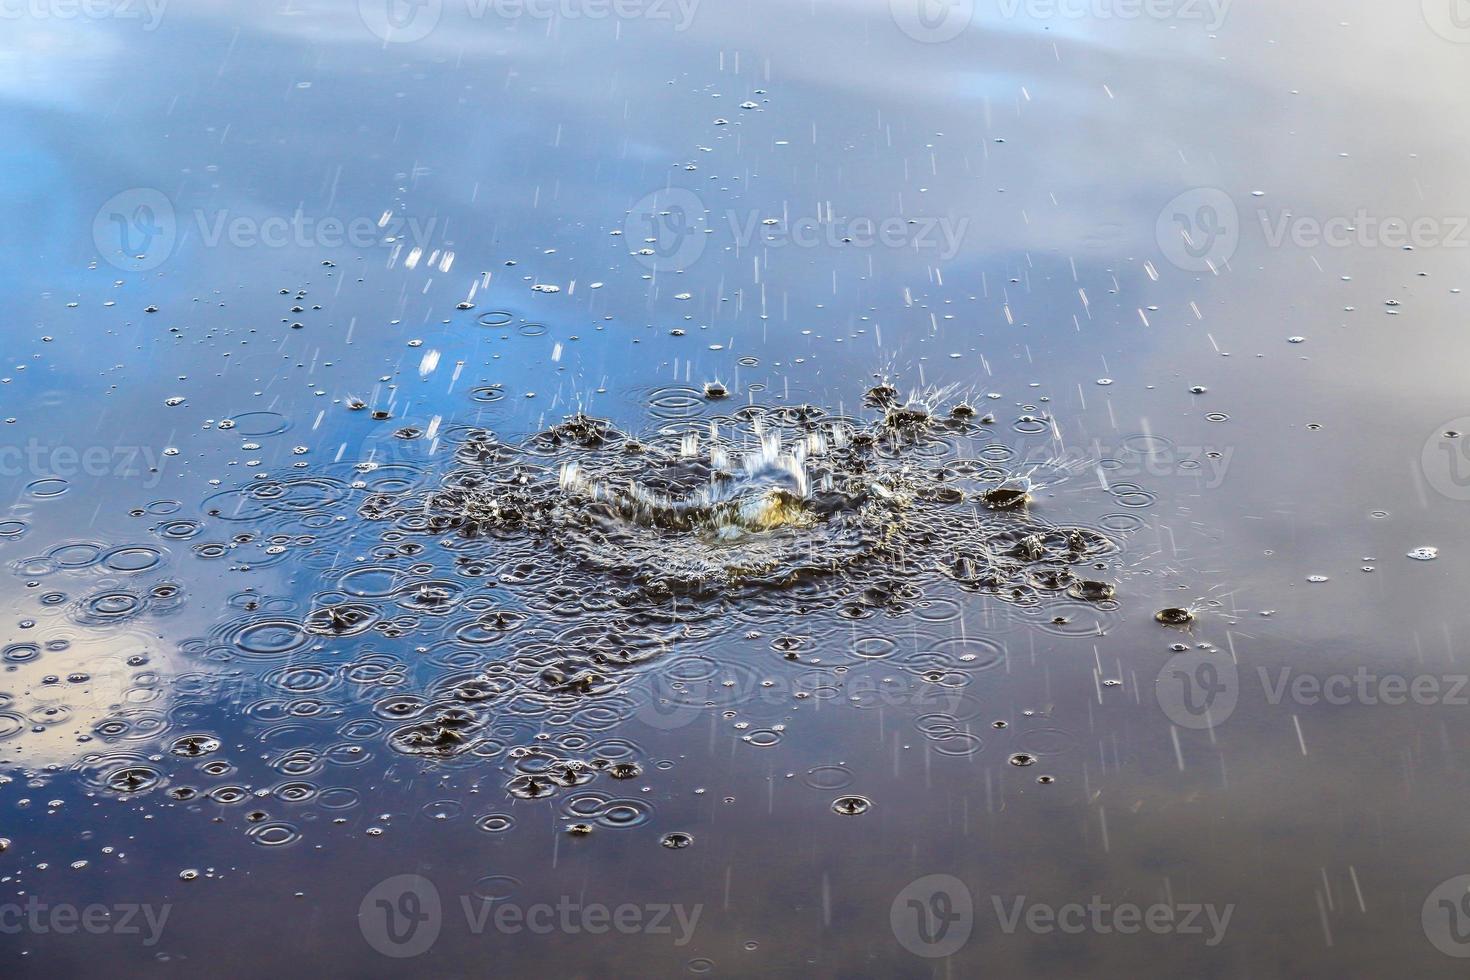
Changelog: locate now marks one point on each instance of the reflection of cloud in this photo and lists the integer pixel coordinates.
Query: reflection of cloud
(39, 60)
(61, 713)
(341, 22)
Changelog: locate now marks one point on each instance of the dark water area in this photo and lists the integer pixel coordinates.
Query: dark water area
(665, 488)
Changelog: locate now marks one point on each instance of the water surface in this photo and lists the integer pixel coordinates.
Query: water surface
(296, 291)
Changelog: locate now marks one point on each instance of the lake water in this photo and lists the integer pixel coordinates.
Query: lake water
(669, 487)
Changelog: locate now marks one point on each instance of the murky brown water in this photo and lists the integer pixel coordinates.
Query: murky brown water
(693, 488)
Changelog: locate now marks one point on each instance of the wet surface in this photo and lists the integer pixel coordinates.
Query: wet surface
(797, 491)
